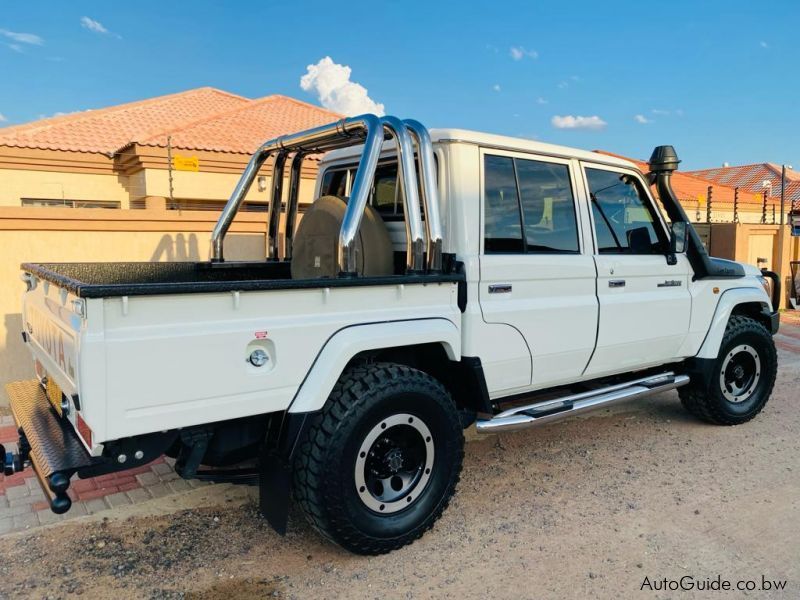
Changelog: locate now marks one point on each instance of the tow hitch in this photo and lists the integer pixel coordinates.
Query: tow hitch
(13, 462)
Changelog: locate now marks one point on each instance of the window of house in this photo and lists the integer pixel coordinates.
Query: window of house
(624, 220)
(528, 207)
(69, 203)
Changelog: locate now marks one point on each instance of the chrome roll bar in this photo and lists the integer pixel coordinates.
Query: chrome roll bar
(371, 131)
(430, 192)
(275, 205)
(292, 203)
(407, 178)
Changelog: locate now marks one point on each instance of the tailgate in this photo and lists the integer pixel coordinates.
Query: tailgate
(52, 325)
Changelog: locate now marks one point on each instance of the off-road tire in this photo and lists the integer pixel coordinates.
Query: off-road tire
(324, 479)
(705, 399)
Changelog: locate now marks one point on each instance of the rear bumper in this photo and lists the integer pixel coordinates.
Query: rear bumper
(47, 443)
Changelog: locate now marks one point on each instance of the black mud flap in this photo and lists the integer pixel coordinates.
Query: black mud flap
(275, 469)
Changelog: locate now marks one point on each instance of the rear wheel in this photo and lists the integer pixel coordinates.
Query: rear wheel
(742, 378)
(381, 462)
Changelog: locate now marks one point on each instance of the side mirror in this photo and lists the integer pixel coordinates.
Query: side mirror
(677, 241)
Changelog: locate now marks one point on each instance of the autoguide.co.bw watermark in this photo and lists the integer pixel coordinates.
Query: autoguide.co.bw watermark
(690, 583)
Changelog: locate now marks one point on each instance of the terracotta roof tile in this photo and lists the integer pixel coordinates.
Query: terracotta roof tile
(107, 129)
(199, 119)
(244, 128)
(751, 178)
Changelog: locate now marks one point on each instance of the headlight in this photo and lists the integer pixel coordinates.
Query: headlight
(766, 284)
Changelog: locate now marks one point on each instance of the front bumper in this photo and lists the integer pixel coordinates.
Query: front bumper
(47, 443)
(774, 322)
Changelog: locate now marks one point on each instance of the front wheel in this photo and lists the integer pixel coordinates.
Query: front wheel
(381, 462)
(742, 379)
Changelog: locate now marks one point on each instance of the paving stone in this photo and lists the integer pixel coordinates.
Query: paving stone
(33, 484)
(6, 525)
(47, 516)
(148, 478)
(95, 505)
(158, 490)
(13, 511)
(118, 499)
(78, 510)
(196, 483)
(138, 495)
(179, 485)
(162, 469)
(25, 521)
(18, 491)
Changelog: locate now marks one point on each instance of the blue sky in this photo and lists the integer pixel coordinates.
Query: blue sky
(716, 79)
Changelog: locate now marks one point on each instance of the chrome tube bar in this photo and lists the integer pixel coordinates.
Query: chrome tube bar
(347, 132)
(320, 139)
(292, 204)
(275, 201)
(522, 417)
(359, 195)
(407, 176)
(430, 192)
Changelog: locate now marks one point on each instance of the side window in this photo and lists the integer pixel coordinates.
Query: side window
(503, 226)
(548, 207)
(624, 219)
(529, 207)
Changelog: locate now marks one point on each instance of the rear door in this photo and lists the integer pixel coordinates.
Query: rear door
(645, 305)
(536, 274)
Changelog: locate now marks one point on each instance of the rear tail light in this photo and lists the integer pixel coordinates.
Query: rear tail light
(83, 430)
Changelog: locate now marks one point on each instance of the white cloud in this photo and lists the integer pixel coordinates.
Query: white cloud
(496, 87)
(578, 122)
(641, 119)
(22, 38)
(562, 85)
(16, 48)
(763, 44)
(519, 52)
(678, 112)
(331, 82)
(3, 118)
(541, 100)
(97, 27)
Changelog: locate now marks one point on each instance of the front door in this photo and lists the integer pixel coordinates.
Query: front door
(536, 275)
(645, 303)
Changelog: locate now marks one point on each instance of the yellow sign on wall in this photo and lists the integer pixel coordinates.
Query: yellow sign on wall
(185, 163)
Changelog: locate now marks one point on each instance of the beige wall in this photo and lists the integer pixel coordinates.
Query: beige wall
(67, 235)
(746, 243)
(55, 185)
(211, 186)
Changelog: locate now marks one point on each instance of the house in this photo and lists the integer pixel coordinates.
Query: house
(180, 151)
(756, 178)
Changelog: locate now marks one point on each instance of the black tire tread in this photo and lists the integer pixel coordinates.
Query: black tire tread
(696, 398)
(342, 409)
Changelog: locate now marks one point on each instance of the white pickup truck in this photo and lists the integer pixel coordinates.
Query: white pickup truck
(441, 279)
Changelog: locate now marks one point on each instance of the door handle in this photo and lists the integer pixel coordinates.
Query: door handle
(500, 288)
(616, 283)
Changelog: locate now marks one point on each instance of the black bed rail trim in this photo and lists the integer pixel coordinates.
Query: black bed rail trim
(206, 280)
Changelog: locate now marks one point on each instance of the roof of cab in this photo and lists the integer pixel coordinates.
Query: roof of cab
(502, 142)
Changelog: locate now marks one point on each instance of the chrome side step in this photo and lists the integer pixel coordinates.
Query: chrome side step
(548, 411)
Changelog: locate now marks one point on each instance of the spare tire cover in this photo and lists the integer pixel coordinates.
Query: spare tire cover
(315, 247)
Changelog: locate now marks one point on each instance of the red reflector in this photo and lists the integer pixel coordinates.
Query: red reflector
(83, 430)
